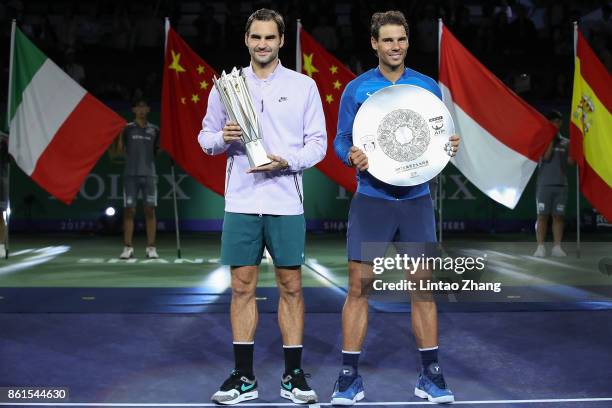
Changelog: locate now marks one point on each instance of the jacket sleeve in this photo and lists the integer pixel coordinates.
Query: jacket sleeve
(346, 118)
(211, 134)
(315, 134)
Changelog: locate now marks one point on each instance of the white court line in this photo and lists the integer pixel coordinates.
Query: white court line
(557, 264)
(287, 404)
(23, 251)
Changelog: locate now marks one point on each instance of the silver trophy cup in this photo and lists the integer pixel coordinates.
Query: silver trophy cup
(238, 103)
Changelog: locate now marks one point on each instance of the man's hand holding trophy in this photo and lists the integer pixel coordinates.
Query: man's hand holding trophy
(243, 123)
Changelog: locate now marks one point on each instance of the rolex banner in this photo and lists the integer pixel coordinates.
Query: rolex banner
(187, 83)
(591, 127)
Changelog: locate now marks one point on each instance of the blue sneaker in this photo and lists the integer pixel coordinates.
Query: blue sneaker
(348, 389)
(431, 385)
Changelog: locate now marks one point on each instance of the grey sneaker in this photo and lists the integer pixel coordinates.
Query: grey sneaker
(295, 388)
(237, 388)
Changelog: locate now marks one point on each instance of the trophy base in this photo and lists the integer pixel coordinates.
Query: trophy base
(257, 154)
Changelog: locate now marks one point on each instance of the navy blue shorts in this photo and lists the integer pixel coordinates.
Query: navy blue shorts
(374, 223)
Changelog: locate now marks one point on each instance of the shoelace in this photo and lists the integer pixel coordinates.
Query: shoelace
(235, 375)
(438, 380)
(344, 382)
(298, 372)
(299, 378)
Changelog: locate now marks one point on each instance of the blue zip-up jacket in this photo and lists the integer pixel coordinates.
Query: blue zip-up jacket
(355, 93)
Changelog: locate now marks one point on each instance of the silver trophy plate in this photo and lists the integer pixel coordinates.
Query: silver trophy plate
(403, 129)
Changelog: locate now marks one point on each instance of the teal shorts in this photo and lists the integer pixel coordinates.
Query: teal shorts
(245, 235)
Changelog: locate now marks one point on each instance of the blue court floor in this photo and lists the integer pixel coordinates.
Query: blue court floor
(500, 359)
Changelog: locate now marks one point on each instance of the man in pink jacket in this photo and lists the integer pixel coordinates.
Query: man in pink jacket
(264, 205)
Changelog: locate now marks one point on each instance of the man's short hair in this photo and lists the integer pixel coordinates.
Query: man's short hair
(554, 114)
(388, 17)
(266, 15)
(140, 100)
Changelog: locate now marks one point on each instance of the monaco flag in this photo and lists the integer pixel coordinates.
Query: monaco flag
(331, 76)
(186, 85)
(502, 137)
(58, 131)
(591, 127)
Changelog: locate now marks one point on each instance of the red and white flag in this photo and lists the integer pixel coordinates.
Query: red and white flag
(502, 137)
(58, 130)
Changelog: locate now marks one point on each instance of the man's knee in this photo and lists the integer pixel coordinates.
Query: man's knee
(243, 284)
(543, 217)
(149, 211)
(360, 281)
(129, 212)
(290, 283)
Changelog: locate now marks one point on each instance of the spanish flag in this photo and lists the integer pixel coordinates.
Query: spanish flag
(591, 127)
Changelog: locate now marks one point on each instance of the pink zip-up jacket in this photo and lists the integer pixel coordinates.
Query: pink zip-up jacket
(291, 117)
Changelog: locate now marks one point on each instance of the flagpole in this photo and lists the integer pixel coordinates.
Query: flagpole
(176, 217)
(8, 125)
(166, 29)
(10, 81)
(298, 51)
(577, 167)
(440, 26)
(577, 211)
(439, 175)
(6, 214)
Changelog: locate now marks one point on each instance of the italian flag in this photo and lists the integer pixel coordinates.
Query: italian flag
(57, 130)
(502, 137)
(591, 127)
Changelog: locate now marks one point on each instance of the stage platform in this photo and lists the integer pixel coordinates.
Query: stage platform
(156, 332)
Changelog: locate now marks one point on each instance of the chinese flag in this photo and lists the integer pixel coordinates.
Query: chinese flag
(331, 77)
(590, 127)
(187, 83)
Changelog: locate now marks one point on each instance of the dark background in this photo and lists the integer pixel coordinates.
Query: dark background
(119, 44)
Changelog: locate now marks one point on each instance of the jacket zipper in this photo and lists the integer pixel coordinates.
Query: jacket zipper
(229, 173)
(297, 187)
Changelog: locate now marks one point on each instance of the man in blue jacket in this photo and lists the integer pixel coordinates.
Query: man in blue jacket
(384, 213)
